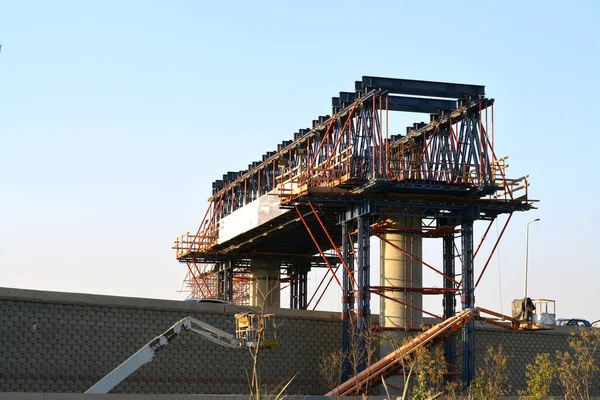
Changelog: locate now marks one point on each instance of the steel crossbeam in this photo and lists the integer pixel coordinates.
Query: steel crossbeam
(401, 103)
(423, 88)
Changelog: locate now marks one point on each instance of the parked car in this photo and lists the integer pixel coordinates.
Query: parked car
(573, 322)
(217, 301)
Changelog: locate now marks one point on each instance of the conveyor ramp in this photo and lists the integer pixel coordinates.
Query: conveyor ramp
(390, 363)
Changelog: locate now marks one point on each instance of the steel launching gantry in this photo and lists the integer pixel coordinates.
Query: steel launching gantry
(316, 200)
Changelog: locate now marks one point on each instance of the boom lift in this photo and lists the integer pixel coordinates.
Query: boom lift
(431, 337)
(252, 330)
(390, 363)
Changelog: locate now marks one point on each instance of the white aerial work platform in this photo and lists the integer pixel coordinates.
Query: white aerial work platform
(252, 330)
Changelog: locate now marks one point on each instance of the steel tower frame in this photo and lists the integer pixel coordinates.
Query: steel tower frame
(348, 169)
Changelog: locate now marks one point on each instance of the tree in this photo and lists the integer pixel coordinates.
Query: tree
(422, 369)
(330, 369)
(362, 347)
(332, 364)
(429, 366)
(491, 381)
(540, 375)
(577, 368)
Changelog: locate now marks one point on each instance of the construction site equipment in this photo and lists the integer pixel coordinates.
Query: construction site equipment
(390, 363)
(252, 330)
(545, 312)
(537, 312)
(352, 175)
(515, 324)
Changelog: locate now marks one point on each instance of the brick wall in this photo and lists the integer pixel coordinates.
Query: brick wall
(64, 342)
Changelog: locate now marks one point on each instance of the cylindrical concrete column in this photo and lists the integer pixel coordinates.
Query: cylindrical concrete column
(401, 270)
(264, 283)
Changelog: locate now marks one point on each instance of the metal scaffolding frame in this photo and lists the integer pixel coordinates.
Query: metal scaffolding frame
(342, 179)
(298, 278)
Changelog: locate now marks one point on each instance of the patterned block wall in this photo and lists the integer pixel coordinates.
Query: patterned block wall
(60, 342)
(522, 348)
(65, 342)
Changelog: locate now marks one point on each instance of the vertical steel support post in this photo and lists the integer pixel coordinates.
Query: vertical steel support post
(294, 289)
(347, 298)
(449, 301)
(225, 280)
(468, 296)
(303, 289)
(364, 287)
(221, 281)
(299, 287)
(228, 265)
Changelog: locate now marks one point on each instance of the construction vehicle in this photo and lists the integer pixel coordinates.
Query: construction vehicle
(431, 337)
(390, 363)
(252, 330)
(534, 313)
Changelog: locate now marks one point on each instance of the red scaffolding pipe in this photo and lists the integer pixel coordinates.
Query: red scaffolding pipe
(332, 243)
(195, 279)
(424, 290)
(494, 160)
(203, 280)
(317, 290)
(483, 238)
(406, 304)
(337, 141)
(325, 289)
(312, 163)
(416, 259)
(318, 247)
(494, 249)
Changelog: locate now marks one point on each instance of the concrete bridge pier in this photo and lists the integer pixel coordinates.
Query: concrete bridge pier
(264, 283)
(399, 270)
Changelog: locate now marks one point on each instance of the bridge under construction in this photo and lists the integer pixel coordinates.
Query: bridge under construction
(316, 201)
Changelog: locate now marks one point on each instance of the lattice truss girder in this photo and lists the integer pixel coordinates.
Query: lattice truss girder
(349, 149)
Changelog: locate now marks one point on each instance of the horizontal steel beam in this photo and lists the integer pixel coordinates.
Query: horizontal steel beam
(242, 260)
(419, 105)
(402, 103)
(423, 88)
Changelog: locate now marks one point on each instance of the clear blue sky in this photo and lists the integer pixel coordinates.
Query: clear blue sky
(116, 116)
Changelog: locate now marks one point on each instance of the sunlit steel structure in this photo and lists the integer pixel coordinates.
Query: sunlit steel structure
(347, 178)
